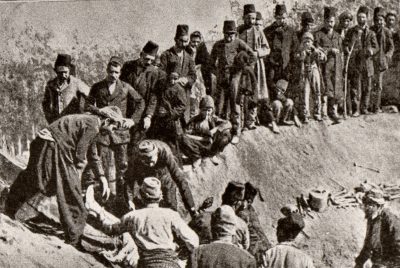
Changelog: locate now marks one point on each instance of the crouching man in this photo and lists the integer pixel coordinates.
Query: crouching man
(58, 157)
(206, 134)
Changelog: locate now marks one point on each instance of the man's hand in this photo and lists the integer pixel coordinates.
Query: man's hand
(146, 123)
(127, 123)
(183, 81)
(106, 189)
(131, 205)
(335, 51)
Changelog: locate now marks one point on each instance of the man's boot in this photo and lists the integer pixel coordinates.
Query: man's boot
(275, 127)
(334, 116)
(297, 121)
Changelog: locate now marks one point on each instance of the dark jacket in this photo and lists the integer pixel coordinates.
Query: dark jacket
(220, 255)
(363, 43)
(202, 58)
(382, 241)
(194, 126)
(170, 62)
(386, 48)
(124, 97)
(70, 100)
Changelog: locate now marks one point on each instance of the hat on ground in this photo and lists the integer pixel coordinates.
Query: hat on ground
(346, 15)
(363, 9)
(151, 189)
(115, 60)
(282, 85)
(306, 17)
(151, 48)
(63, 60)
(229, 26)
(280, 10)
(307, 36)
(374, 196)
(147, 148)
(249, 8)
(112, 112)
(259, 16)
(223, 221)
(207, 102)
(233, 192)
(250, 192)
(329, 12)
(181, 30)
(379, 12)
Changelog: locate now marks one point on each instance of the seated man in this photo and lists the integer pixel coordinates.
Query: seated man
(154, 158)
(152, 228)
(206, 134)
(286, 254)
(58, 156)
(221, 252)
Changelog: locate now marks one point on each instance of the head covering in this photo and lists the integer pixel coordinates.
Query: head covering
(234, 191)
(196, 34)
(391, 13)
(306, 17)
(346, 15)
(250, 192)
(280, 10)
(379, 12)
(229, 26)
(282, 85)
(147, 148)
(63, 60)
(112, 112)
(259, 16)
(291, 225)
(115, 60)
(207, 102)
(181, 30)
(151, 48)
(223, 221)
(289, 209)
(374, 196)
(329, 12)
(307, 36)
(151, 189)
(363, 9)
(249, 8)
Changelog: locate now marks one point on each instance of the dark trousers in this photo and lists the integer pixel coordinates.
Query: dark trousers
(360, 91)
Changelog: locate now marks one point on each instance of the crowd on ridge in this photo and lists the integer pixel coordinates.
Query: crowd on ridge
(151, 115)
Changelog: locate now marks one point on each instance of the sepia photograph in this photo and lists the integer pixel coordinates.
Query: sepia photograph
(200, 133)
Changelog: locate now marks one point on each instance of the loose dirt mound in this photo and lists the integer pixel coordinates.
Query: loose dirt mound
(286, 165)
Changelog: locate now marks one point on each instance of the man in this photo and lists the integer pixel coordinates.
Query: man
(221, 252)
(152, 228)
(259, 21)
(58, 156)
(64, 94)
(206, 134)
(382, 58)
(345, 19)
(362, 43)
(391, 24)
(113, 92)
(177, 59)
(286, 254)
(146, 79)
(330, 42)
(307, 24)
(222, 57)
(382, 241)
(154, 158)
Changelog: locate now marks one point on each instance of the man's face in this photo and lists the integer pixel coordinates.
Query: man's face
(113, 73)
(260, 23)
(307, 26)
(229, 37)
(307, 44)
(108, 127)
(173, 78)
(329, 23)
(149, 161)
(370, 209)
(281, 19)
(380, 21)
(146, 59)
(362, 19)
(182, 42)
(195, 42)
(391, 21)
(206, 112)
(63, 73)
(345, 23)
(250, 19)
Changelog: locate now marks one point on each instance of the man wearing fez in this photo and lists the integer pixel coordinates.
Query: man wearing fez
(330, 42)
(58, 156)
(391, 24)
(382, 241)
(383, 58)
(286, 254)
(222, 57)
(344, 23)
(147, 80)
(64, 94)
(113, 92)
(362, 41)
(183, 63)
(155, 159)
